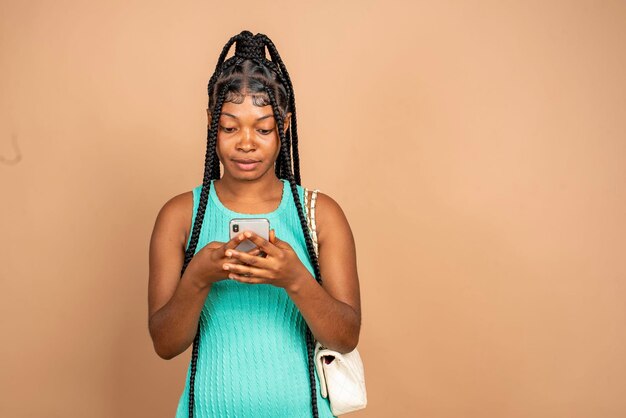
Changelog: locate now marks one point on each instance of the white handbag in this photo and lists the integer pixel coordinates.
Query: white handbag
(342, 377)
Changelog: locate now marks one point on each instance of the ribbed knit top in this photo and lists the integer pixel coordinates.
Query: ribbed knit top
(252, 357)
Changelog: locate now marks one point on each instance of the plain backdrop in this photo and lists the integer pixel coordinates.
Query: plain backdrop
(476, 147)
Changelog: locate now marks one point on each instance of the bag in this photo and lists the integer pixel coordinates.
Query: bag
(342, 378)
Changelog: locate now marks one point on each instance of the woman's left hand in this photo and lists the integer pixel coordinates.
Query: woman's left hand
(280, 267)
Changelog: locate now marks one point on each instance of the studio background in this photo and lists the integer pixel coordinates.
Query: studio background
(476, 147)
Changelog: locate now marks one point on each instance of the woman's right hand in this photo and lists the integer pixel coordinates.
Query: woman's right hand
(206, 264)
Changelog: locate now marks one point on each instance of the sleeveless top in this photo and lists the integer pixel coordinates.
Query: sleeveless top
(252, 357)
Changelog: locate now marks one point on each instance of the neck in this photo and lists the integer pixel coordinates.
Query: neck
(267, 187)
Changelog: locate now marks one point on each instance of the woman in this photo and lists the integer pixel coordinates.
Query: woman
(252, 316)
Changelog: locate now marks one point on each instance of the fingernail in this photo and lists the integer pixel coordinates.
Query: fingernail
(226, 267)
(228, 253)
(247, 234)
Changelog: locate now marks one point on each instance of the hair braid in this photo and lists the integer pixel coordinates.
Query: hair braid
(279, 167)
(292, 103)
(309, 245)
(215, 167)
(211, 156)
(220, 61)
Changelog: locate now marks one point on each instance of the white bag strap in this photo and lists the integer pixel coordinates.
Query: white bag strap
(310, 220)
(311, 216)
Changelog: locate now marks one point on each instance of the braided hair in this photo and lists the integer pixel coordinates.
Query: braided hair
(249, 72)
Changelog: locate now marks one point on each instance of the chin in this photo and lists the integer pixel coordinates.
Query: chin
(258, 172)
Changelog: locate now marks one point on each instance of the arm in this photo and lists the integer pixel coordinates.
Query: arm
(174, 303)
(333, 310)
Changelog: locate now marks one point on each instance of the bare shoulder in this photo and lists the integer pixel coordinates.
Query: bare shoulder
(329, 217)
(175, 216)
(337, 252)
(167, 249)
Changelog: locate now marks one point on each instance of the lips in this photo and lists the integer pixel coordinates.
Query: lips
(246, 164)
(245, 161)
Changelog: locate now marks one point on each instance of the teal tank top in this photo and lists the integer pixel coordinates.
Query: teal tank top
(252, 358)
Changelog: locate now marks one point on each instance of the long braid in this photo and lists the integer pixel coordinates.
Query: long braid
(293, 126)
(220, 61)
(215, 168)
(219, 68)
(309, 244)
(286, 83)
(211, 155)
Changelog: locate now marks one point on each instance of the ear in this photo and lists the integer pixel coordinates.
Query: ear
(286, 122)
(208, 117)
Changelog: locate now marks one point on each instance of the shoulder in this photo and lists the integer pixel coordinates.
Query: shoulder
(174, 217)
(329, 216)
(324, 202)
(178, 206)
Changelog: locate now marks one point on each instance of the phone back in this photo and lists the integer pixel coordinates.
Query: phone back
(260, 226)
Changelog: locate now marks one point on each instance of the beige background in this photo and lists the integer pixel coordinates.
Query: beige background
(477, 148)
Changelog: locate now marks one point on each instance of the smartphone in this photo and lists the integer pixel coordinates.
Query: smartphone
(260, 226)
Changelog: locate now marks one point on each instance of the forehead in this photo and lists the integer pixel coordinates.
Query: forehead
(246, 110)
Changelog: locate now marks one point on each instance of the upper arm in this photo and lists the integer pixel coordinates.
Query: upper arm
(167, 250)
(337, 253)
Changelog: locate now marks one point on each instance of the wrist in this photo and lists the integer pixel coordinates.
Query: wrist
(196, 281)
(299, 282)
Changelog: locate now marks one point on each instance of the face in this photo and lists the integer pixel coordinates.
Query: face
(248, 132)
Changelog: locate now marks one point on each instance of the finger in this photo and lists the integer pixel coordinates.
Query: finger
(246, 258)
(256, 252)
(234, 241)
(215, 244)
(262, 243)
(230, 259)
(234, 261)
(242, 269)
(278, 243)
(245, 279)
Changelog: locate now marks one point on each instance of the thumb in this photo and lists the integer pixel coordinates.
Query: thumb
(277, 241)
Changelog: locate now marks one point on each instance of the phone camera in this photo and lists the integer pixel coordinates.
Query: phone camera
(236, 228)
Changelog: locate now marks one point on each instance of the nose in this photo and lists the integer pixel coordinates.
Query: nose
(246, 140)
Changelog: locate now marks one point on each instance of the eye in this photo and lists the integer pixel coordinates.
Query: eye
(265, 131)
(227, 130)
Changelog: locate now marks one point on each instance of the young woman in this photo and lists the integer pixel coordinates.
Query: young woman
(252, 316)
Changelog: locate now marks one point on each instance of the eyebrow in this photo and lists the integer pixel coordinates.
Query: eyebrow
(261, 118)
